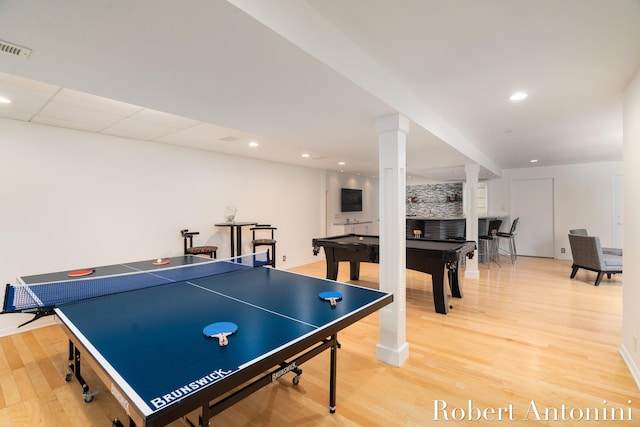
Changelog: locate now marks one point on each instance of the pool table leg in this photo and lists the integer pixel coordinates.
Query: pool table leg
(454, 282)
(354, 270)
(332, 269)
(440, 300)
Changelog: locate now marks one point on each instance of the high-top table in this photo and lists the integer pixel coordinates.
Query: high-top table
(235, 228)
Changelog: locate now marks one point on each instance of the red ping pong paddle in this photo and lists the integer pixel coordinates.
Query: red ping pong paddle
(220, 330)
(331, 296)
(160, 261)
(83, 272)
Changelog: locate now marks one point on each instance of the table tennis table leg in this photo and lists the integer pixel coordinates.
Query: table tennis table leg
(333, 373)
(74, 369)
(117, 423)
(204, 421)
(203, 418)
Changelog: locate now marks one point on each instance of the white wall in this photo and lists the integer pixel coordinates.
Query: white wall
(369, 186)
(583, 198)
(631, 242)
(71, 199)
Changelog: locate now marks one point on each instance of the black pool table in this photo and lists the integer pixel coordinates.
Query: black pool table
(427, 256)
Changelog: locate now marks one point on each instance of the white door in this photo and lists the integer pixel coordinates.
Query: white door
(532, 202)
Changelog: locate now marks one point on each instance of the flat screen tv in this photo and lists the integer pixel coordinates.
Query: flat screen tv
(351, 200)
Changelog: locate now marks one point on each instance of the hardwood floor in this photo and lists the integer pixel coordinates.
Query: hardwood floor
(522, 335)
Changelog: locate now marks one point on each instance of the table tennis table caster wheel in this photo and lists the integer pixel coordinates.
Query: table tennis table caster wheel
(298, 373)
(88, 396)
(68, 377)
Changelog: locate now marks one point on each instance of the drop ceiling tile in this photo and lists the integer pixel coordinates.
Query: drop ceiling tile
(149, 125)
(96, 103)
(76, 110)
(205, 135)
(167, 119)
(140, 129)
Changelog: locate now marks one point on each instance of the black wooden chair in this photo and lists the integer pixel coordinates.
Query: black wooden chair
(259, 240)
(189, 249)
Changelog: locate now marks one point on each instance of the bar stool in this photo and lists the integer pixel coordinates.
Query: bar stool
(271, 242)
(511, 236)
(489, 241)
(417, 234)
(196, 250)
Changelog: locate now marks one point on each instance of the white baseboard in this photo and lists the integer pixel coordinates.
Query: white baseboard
(11, 328)
(631, 364)
(471, 274)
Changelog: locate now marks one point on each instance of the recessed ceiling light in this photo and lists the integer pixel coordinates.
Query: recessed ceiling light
(4, 100)
(341, 163)
(518, 96)
(533, 161)
(306, 155)
(253, 144)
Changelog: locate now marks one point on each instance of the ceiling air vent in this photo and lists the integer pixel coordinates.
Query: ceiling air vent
(15, 50)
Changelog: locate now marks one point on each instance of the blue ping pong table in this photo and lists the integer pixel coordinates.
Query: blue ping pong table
(145, 341)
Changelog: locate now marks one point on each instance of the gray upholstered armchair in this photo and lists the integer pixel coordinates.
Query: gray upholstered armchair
(588, 254)
(583, 232)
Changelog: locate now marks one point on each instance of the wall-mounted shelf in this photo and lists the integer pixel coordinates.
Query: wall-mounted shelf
(352, 222)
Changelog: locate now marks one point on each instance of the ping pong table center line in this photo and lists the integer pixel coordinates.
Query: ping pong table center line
(253, 305)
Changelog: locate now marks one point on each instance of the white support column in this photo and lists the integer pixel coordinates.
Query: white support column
(472, 170)
(392, 134)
